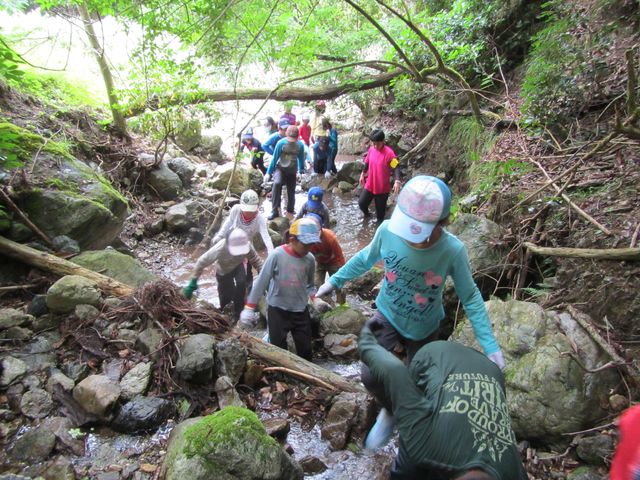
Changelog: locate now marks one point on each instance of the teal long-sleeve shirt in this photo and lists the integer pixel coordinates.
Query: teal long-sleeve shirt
(278, 151)
(411, 293)
(450, 408)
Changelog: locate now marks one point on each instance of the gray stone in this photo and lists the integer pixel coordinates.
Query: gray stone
(63, 243)
(585, 473)
(34, 446)
(143, 414)
(75, 370)
(19, 232)
(86, 313)
(116, 265)
(227, 394)
(61, 428)
(350, 172)
(36, 403)
(113, 368)
(242, 451)
(277, 427)
(212, 143)
(231, 359)
(342, 320)
(196, 360)
(190, 213)
(12, 369)
(367, 282)
(342, 346)
(136, 381)
(10, 317)
(56, 377)
(18, 334)
(38, 305)
(184, 168)
(353, 143)
(149, 341)
(341, 417)
(221, 175)
(188, 134)
(72, 290)
(312, 465)
(595, 450)
(97, 394)
(164, 182)
(345, 187)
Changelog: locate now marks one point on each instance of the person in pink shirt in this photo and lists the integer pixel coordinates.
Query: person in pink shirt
(305, 129)
(380, 164)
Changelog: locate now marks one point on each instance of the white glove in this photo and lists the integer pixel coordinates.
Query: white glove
(498, 359)
(327, 174)
(248, 318)
(325, 289)
(267, 177)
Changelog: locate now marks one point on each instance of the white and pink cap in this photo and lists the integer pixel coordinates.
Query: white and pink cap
(422, 203)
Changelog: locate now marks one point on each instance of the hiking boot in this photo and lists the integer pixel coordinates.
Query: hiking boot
(381, 432)
(273, 214)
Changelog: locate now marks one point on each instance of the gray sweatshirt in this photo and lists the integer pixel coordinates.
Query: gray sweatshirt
(257, 225)
(288, 278)
(224, 261)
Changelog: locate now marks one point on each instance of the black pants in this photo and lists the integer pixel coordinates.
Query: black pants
(388, 337)
(287, 179)
(281, 322)
(232, 287)
(257, 162)
(380, 201)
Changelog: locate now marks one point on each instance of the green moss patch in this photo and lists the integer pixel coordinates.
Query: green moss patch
(25, 143)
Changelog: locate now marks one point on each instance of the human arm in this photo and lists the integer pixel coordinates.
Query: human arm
(365, 170)
(227, 225)
(261, 283)
(300, 157)
(264, 233)
(311, 271)
(254, 259)
(270, 143)
(359, 263)
(274, 160)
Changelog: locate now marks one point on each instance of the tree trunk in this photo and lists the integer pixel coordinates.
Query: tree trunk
(98, 51)
(256, 347)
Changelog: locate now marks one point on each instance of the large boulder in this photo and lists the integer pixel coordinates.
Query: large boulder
(231, 444)
(71, 291)
(97, 394)
(184, 168)
(66, 197)
(188, 134)
(350, 172)
(352, 143)
(190, 213)
(116, 265)
(164, 182)
(197, 358)
(342, 320)
(549, 388)
(143, 414)
(222, 174)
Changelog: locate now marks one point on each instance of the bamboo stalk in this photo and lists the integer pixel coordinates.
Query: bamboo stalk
(623, 254)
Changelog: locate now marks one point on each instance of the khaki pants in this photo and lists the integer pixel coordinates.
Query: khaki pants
(321, 272)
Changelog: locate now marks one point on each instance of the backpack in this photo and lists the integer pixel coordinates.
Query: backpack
(289, 157)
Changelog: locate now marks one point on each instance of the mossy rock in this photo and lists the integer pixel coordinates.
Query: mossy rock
(116, 265)
(228, 445)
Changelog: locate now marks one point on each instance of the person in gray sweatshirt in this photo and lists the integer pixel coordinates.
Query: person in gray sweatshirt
(288, 279)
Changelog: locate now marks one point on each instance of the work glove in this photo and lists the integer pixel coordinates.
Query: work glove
(498, 359)
(191, 287)
(267, 177)
(248, 318)
(327, 174)
(374, 324)
(325, 289)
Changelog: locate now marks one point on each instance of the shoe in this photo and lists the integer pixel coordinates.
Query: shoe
(381, 432)
(273, 214)
(290, 215)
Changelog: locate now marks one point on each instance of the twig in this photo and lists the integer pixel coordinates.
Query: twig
(17, 287)
(311, 378)
(24, 218)
(594, 429)
(634, 238)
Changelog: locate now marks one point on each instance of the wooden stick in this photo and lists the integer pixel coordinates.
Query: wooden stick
(24, 218)
(623, 254)
(634, 237)
(17, 287)
(311, 378)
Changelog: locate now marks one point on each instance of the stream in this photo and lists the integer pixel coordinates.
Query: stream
(176, 263)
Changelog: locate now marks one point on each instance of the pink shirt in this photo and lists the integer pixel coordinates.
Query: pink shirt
(380, 170)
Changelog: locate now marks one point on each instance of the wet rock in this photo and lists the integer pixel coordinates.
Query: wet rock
(163, 182)
(595, 449)
(149, 341)
(184, 215)
(227, 394)
(277, 427)
(340, 419)
(341, 346)
(136, 381)
(47, 321)
(312, 465)
(184, 168)
(12, 369)
(196, 360)
(60, 468)
(75, 370)
(253, 373)
(548, 393)
(38, 305)
(143, 414)
(585, 473)
(231, 359)
(350, 171)
(342, 320)
(221, 175)
(113, 368)
(7, 415)
(63, 243)
(72, 290)
(36, 403)
(155, 227)
(57, 378)
(61, 428)
(10, 317)
(19, 232)
(97, 394)
(236, 446)
(14, 395)
(366, 282)
(17, 334)
(116, 265)
(86, 313)
(618, 402)
(34, 446)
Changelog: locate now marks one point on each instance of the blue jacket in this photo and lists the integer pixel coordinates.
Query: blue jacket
(270, 143)
(278, 151)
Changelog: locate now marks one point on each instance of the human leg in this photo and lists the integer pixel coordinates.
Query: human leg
(226, 288)
(279, 325)
(240, 280)
(381, 206)
(257, 162)
(364, 201)
(301, 333)
(290, 182)
(276, 193)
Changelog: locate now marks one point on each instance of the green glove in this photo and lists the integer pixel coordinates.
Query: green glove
(190, 288)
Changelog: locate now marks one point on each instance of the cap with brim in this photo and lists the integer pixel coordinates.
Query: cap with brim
(248, 208)
(421, 204)
(314, 198)
(284, 123)
(306, 230)
(238, 242)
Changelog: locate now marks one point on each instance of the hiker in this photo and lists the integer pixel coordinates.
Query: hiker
(418, 255)
(319, 139)
(245, 215)
(228, 258)
(450, 408)
(379, 164)
(626, 461)
(287, 276)
(269, 144)
(332, 135)
(288, 158)
(305, 129)
(290, 117)
(270, 126)
(314, 204)
(328, 255)
(254, 147)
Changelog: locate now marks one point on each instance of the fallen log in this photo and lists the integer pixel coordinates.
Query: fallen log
(629, 254)
(257, 348)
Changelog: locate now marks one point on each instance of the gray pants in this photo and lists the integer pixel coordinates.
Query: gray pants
(287, 179)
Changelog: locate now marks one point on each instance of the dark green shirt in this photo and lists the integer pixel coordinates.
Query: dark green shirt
(450, 408)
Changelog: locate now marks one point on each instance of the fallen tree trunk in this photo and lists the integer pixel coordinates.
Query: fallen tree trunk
(630, 254)
(257, 348)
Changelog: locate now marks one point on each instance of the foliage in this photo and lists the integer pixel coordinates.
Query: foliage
(18, 144)
(471, 137)
(9, 63)
(489, 176)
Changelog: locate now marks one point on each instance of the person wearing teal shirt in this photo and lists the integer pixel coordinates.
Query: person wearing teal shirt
(418, 255)
(451, 412)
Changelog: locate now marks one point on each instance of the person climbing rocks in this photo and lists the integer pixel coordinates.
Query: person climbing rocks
(270, 126)
(319, 138)
(228, 259)
(418, 254)
(380, 164)
(287, 277)
(450, 409)
(305, 129)
(332, 135)
(626, 460)
(288, 158)
(269, 144)
(251, 144)
(314, 204)
(287, 115)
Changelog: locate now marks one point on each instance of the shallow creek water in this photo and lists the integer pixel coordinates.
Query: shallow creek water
(105, 448)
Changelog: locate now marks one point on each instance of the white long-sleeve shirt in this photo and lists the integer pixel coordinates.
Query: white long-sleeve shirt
(234, 220)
